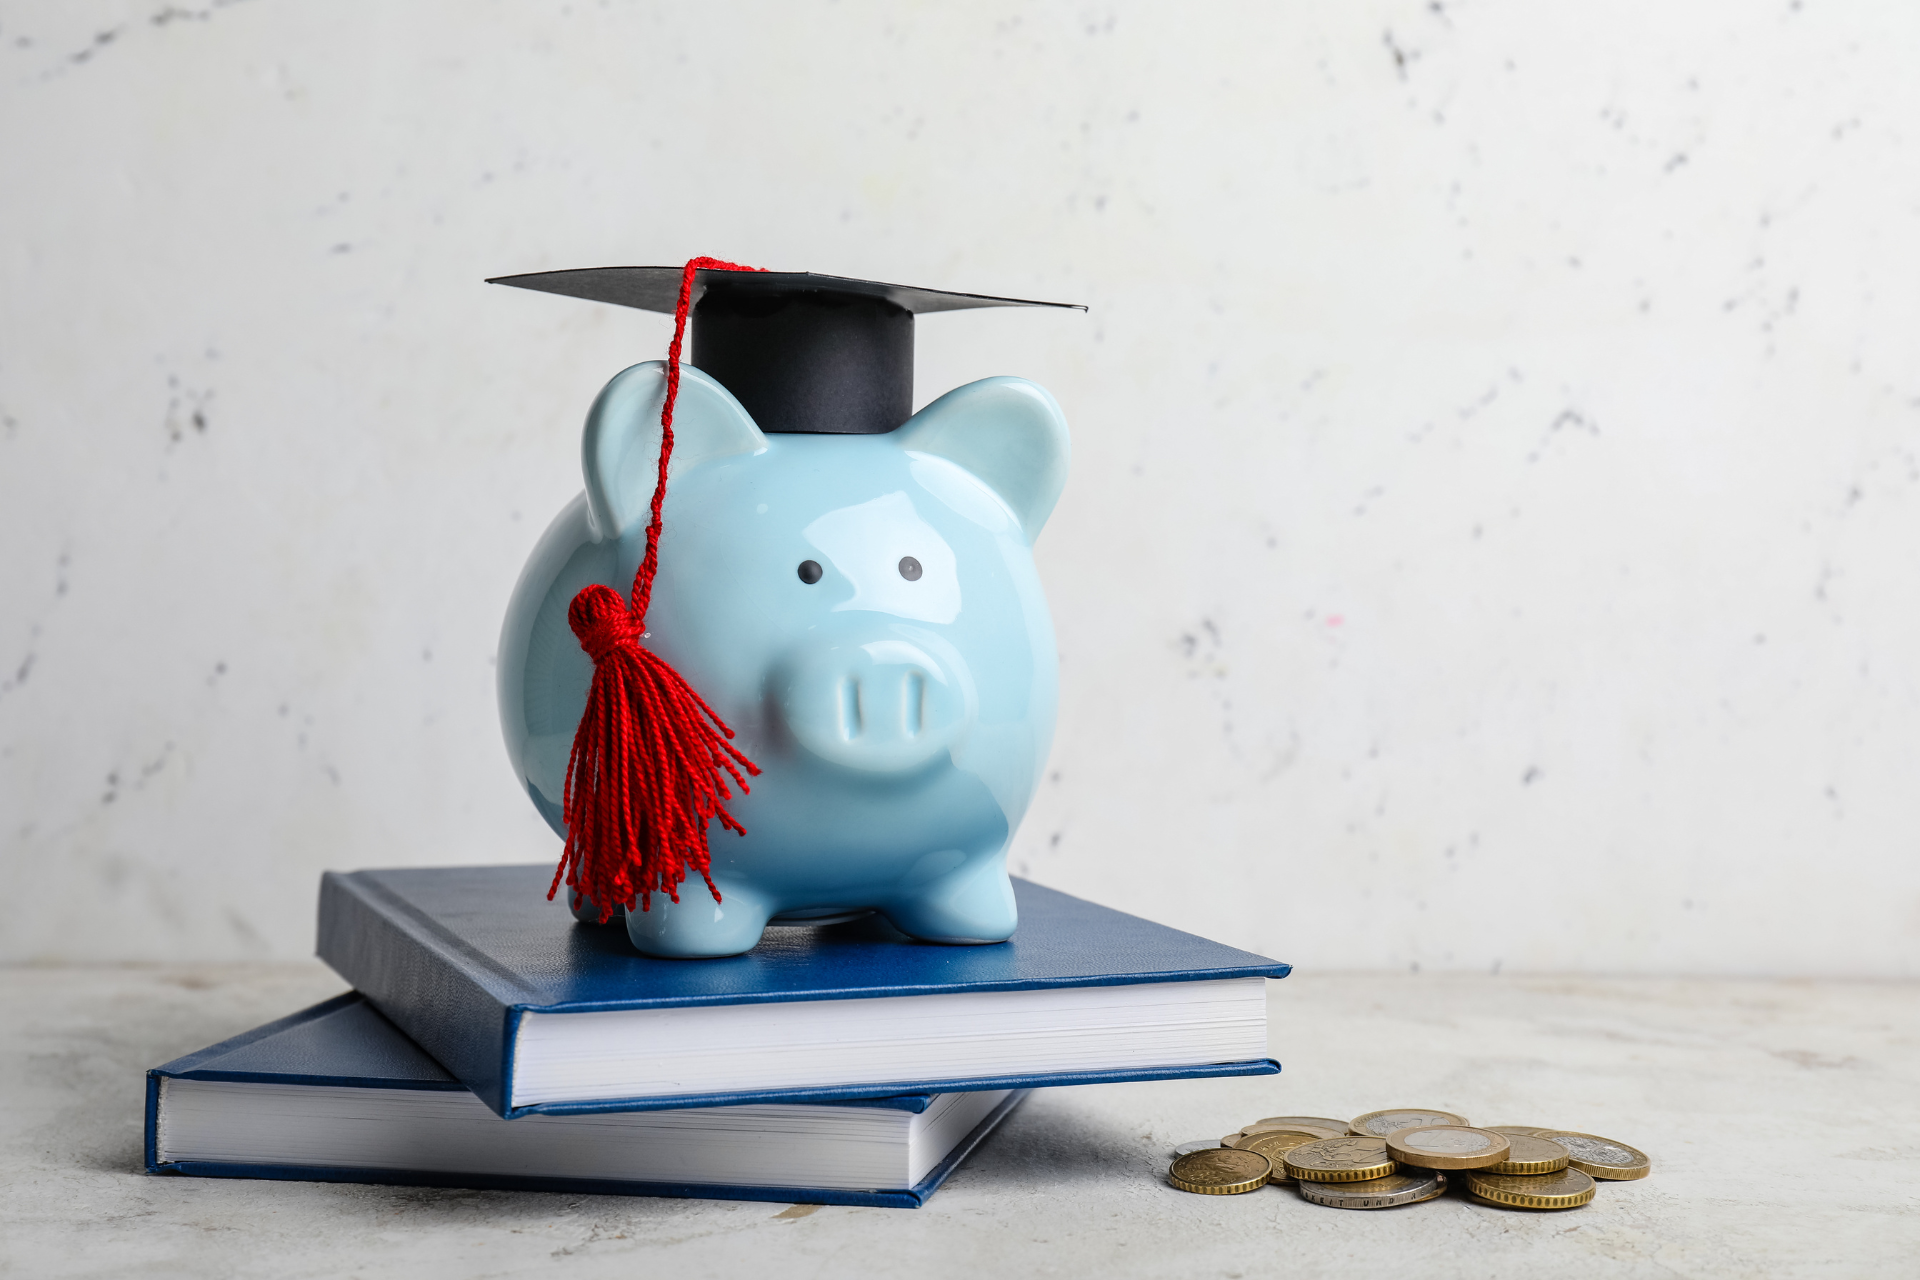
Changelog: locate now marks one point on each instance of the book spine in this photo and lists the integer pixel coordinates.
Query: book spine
(913, 1198)
(416, 980)
(152, 1143)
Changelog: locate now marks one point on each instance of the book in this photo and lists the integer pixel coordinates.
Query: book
(336, 1093)
(538, 1014)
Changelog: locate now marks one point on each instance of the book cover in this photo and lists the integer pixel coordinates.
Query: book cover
(344, 1044)
(462, 958)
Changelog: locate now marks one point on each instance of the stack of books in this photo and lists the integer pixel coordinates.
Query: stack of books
(491, 1041)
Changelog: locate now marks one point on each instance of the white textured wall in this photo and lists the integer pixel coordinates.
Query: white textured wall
(1494, 537)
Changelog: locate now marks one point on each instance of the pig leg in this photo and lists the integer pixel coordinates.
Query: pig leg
(973, 903)
(697, 927)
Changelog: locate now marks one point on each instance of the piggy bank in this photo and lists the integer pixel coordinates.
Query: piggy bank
(862, 609)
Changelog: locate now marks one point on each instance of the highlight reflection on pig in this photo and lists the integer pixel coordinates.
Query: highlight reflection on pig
(863, 610)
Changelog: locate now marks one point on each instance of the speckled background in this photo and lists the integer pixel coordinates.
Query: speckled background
(1494, 536)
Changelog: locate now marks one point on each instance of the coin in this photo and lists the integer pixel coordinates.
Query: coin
(1447, 1146)
(1220, 1171)
(1524, 1130)
(1378, 1124)
(1531, 1156)
(1601, 1157)
(1352, 1159)
(1317, 1130)
(1339, 1127)
(1274, 1142)
(1302, 1132)
(1377, 1193)
(1567, 1189)
(1198, 1144)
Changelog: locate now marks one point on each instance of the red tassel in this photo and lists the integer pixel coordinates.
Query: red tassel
(646, 774)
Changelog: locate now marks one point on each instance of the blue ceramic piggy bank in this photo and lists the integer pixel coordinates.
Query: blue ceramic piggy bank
(862, 609)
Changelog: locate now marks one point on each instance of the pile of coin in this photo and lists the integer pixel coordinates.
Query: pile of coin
(1402, 1156)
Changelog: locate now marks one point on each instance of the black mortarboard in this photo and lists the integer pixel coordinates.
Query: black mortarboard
(802, 352)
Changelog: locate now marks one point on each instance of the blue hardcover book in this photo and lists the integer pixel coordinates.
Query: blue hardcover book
(336, 1094)
(537, 1014)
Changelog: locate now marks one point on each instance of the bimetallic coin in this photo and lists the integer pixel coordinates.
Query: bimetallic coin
(1567, 1189)
(1524, 1130)
(1198, 1144)
(1339, 1127)
(1447, 1146)
(1274, 1143)
(1340, 1160)
(1531, 1156)
(1601, 1157)
(1220, 1171)
(1378, 1124)
(1377, 1193)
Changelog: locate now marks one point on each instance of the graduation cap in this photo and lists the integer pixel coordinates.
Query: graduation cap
(801, 352)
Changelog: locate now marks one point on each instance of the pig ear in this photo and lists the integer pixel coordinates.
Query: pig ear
(621, 449)
(1007, 431)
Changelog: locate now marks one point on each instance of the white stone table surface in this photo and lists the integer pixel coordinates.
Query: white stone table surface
(1783, 1119)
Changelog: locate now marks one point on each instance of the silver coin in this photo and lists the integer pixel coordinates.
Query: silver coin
(1198, 1144)
(1395, 1189)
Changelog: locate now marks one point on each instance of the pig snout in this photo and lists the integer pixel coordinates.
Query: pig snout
(878, 706)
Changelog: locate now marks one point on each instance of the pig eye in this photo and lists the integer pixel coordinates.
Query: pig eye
(909, 568)
(810, 571)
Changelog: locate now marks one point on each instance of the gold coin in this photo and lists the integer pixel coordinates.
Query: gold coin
(1524, 1130)
(1447, 1146)
(1601, 1157)
(1531, 1156)
(1378, 1124)
(1567, 1189)
(1274, 1142)
(1350, 1159)
(1339, 1127)
(1318, 1131)
(1246, 1136)
(1220, 1171)
(1377, 1193)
